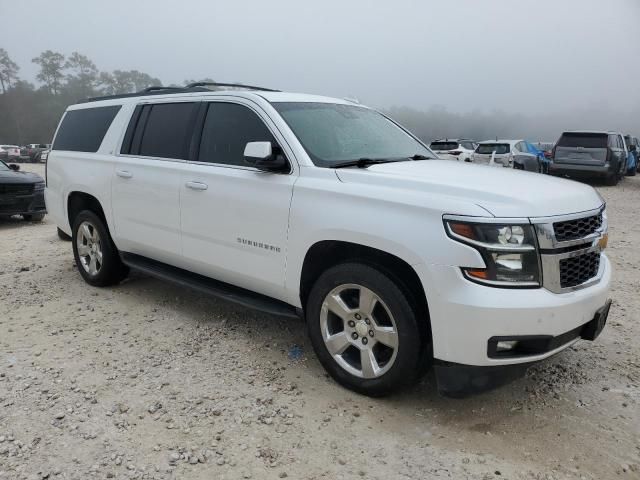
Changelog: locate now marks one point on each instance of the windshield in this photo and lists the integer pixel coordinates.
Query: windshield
(489, 148)
(333, 133)
(444, 146)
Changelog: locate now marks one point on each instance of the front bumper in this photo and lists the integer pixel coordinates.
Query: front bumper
(458, 380)
(30, 204)
(465, 315)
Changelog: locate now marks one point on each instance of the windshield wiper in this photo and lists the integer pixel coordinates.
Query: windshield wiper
(418, 156)
(365, 162)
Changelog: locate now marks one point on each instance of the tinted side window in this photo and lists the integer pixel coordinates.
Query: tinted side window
(83, 130)
(167, 130)
(228, 128)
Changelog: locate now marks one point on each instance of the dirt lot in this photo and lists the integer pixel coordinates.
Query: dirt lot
(147, 380)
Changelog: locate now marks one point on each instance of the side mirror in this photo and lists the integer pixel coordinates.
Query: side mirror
(263, 156)
(15, 167)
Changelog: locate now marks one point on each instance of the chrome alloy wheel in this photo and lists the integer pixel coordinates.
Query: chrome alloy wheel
(89, 248)
(359, 331)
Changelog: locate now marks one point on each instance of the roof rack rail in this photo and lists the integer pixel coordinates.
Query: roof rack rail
(191, 88)
(238, 85)
(155, 88)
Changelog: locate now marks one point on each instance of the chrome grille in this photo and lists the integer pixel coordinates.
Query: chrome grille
(578, 228)
(575, 271)
(570, 249)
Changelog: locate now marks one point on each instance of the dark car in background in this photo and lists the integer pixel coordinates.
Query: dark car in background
(590, 154)
(32, 151)
(21, 193)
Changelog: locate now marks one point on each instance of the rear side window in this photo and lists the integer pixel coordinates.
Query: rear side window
(166, 132)
(489, 148)
(83, 130)
(584, 140)
(228, 128)
(444, 145)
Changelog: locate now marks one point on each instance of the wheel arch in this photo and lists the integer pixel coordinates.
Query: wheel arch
(325, 254)
(78, 201)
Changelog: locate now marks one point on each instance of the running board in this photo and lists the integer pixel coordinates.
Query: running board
(209, 286)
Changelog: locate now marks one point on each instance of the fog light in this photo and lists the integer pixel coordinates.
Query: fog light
(506, 346)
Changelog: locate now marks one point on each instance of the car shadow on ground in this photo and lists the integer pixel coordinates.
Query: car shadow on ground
(15, 221)
(290, 335)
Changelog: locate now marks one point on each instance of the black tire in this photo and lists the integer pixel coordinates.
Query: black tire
(632, 172)
(34, 217)
(63, 236)
(407, 366)
(111, 270)
(612, 180)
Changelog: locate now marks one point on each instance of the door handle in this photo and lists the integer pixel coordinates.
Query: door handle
(197, 185)
(124, 174)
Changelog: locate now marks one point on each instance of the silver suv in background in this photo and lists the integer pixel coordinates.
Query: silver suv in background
(585, 154)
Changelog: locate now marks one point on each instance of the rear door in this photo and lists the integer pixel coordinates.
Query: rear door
(235, 218)
(584, 148)
(147, 178)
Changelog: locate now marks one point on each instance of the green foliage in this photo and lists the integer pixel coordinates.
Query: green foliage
(30, 115)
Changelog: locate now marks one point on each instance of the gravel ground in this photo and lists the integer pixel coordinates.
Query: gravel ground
(148, 380)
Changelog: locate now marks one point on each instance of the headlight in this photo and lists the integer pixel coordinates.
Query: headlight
(508, 250)
(39, 186)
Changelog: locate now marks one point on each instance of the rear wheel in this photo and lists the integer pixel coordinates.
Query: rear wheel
(34, 217)
(95, 253)
(632, 171)
(612, 179)
(364, 330)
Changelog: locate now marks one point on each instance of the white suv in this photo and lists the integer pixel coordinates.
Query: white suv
(309, 206)
(454, 149)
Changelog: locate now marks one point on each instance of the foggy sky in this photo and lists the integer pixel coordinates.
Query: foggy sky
(515, 55)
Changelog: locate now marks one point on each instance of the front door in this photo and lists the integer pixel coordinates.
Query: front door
(235, 218)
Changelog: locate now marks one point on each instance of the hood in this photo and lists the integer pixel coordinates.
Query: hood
(503, 192)
(19, 177)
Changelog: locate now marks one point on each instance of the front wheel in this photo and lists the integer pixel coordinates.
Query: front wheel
(364, 330)
(95, 253)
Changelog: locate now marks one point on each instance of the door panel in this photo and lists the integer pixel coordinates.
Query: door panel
(235, 218)
(146, 207)
(235, 225)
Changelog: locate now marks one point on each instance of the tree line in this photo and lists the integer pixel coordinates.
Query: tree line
(30, 113)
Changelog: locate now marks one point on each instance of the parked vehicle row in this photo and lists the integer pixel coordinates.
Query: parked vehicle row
(323, 208)
(577, 154)
(33, 152)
